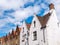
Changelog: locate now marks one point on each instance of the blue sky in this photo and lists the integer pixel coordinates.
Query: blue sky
(14, 12)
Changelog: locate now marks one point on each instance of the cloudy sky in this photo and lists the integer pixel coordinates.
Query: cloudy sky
(14, 12)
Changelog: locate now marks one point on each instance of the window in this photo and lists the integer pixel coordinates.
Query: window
(27, 33)
(23, 40)
(34, 23)
(34, 35)
(58, 24)
(24, 36)
(43, 27)
(23, 29)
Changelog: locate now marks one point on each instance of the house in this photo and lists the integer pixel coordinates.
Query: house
(24, 34)
(45, 30)
(12, 38)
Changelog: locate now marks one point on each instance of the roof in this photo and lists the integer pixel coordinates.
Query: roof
(43, 20)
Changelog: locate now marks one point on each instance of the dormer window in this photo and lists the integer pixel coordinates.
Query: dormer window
(34, 23)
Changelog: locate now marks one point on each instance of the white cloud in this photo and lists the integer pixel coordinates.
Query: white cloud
(57, 6)
(19, 13)
(14, 4)
(44, 6)
(23, 14)
(3, 22)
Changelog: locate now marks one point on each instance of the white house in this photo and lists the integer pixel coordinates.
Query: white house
(36, 35)
(52, 28)
(24, 34)
(42, 30)
(45, 30)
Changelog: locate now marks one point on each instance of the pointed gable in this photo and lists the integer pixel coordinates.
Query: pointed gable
(43, 20)
(28, 21)
(28, 26)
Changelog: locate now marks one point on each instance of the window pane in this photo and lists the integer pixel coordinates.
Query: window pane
(35, 35)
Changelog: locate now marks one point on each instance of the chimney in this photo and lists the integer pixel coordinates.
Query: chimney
(51, 6)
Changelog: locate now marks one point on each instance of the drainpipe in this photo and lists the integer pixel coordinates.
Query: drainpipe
(45, 38)
(44, 35)
(43, 28)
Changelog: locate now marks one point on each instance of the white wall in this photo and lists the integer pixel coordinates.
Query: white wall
(52, 29)
(21, 34)
(39, 32)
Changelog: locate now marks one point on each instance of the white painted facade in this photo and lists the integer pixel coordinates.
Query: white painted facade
(51, 32)
(53, 29)
(39, 32)
(23, 34)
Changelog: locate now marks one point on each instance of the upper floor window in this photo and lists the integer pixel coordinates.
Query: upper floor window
(23, 30)
(34, 23)
(23, 37)
(27, 33)
(58, 24)
(34, 35)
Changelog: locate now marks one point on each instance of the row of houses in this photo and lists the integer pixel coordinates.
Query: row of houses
(12, 38)
(43, 30)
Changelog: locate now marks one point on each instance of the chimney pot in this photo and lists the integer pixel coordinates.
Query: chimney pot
(51, 6)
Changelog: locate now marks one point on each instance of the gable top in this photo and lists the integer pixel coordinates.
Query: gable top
(43, 20)
(28, 25)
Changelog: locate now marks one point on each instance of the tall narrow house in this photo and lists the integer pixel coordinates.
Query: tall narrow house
(24, 34)
(45, 30)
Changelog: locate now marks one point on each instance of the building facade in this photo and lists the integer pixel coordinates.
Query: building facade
(43, 30)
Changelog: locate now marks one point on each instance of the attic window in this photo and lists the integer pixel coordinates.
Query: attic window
(23, 29)
(58, 24)
(27, 33)
(34, 23)
(35, 35)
